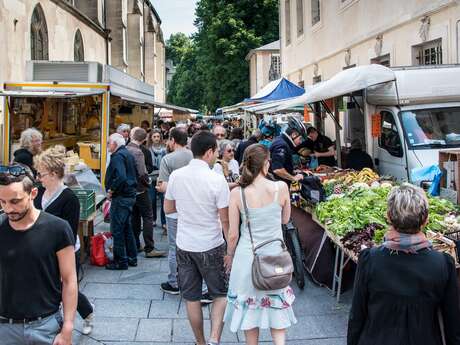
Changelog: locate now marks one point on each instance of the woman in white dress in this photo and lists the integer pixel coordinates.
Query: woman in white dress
(248, 308)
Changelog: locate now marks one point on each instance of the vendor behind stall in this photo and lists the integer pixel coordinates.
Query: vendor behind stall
(283, 148)
(30, 145)
(357, 159)
(321, 147)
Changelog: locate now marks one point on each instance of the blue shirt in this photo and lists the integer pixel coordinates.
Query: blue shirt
(281, 152)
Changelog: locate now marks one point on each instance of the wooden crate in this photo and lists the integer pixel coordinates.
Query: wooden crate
(446, 156)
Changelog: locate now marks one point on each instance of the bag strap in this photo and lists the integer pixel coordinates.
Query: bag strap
(248, 224)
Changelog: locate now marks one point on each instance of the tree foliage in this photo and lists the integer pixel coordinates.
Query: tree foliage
(176, 47)
(213, 71)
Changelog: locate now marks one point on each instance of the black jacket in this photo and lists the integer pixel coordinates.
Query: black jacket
(242, 147)
(397, 297)
(358, 160)
(281, 152)
(66, 206)
(121, 177)
(25, 157)
(148, 159)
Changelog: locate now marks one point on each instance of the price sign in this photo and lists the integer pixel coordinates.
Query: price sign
(376, 125)
(306, 114)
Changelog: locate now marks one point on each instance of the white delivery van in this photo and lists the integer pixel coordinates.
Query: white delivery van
(417, 110)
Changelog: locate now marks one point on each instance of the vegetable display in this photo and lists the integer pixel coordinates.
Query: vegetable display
(358, 217)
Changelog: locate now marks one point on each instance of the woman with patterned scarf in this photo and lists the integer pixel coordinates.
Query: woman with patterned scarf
(404, 290)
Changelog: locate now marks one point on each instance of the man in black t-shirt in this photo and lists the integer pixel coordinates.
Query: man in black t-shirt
(321, 147)
(37, 267)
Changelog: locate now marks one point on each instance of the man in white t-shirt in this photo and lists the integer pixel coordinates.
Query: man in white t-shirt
(200, 197)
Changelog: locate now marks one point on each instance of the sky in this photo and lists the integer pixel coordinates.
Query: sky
(176, 16)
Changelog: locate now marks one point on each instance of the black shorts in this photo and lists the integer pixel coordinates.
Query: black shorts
(195, 267)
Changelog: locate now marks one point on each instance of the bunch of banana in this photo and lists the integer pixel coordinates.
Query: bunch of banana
(364, 176)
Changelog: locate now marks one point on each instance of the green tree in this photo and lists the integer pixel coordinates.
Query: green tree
(176, 46)
(227, 31)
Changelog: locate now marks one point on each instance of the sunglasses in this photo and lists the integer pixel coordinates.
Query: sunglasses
(15, 171)
(230, 150)
(220, 135)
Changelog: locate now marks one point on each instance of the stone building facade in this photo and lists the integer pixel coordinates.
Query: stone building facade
(319, 38)
(264, 66)
(124, 33)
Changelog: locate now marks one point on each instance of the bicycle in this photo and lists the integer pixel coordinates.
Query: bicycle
(291, 238)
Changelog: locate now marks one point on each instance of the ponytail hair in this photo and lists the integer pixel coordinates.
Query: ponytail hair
(254, 159)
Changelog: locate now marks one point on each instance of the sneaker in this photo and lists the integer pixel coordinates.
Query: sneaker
(114, 266)
(132, 263)
(168, 288)
(155, 254)
(88, 323)
(206, 299)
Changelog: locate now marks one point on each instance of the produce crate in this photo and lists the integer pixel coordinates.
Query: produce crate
(447, 156)
(455, 236)
(87, 200)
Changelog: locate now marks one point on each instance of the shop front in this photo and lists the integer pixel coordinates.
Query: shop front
(77, 114)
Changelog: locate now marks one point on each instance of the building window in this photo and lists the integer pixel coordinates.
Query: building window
(38, 35)
(287, 11)
(315, 12)
(299, 17)
(429, 53)
(317, 79)
(383, 60)
(78, 49)
(275, 67)
(301, 83)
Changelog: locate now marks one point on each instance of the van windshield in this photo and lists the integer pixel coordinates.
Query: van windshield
(432, 128)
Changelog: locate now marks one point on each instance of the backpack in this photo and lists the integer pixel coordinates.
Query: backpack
(312, 190)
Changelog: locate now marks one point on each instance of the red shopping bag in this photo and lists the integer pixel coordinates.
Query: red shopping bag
(98, 251)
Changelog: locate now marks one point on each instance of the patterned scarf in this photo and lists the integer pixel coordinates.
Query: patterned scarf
(407, 243)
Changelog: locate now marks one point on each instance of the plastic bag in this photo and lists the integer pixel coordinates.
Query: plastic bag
(432, 174)
(313, 163)
(98, 252)
(106, 211)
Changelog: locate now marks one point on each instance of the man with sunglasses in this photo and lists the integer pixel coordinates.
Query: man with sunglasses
(37, 266)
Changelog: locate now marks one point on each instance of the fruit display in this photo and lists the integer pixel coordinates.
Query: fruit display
(342, 181)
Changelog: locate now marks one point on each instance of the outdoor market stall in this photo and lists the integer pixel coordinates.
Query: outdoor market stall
(352, 218)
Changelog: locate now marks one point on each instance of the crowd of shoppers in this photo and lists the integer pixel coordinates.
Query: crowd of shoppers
(202, 176)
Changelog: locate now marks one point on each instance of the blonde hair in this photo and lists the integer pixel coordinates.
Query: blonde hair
(53, 160)
(27, 136)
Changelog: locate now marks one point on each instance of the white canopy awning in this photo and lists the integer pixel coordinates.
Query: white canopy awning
(343, 83)
(52, 94)
(268, 107)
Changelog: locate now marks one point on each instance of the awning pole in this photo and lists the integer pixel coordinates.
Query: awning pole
(338, 142)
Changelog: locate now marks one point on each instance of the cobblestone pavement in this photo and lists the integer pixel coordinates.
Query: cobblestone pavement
(132, 310)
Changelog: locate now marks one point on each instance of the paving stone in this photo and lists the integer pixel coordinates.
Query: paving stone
(115, 329)
(334, 325)
(307, 327)
(122, 308)
(123, 291)
(93, 274)
(164, 310)
(182, 332)
(143, 277)
(154, 330)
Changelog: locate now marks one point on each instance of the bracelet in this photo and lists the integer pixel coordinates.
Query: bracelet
(228, 254)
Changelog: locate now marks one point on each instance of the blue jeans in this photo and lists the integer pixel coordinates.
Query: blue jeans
(172, 231)
(124, 245)
(153, 195)
(40, 332)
